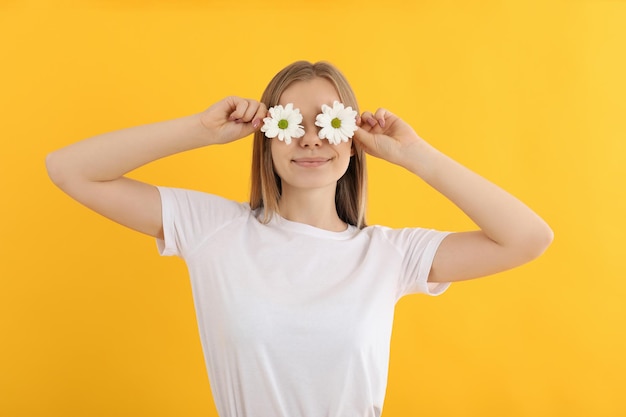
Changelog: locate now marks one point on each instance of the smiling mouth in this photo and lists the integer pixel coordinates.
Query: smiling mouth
(310, 162)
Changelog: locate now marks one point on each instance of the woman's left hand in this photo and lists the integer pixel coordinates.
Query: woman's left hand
(385, 135)
(510, 233)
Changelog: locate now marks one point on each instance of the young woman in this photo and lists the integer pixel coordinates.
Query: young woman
(294, 295)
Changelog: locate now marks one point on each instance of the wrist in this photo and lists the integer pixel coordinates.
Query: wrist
(420, 158)
(203, 134)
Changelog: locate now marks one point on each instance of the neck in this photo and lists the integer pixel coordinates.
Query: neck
(315, 207)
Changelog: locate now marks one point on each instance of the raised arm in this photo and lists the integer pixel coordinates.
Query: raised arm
(92, 171)
(510, 233)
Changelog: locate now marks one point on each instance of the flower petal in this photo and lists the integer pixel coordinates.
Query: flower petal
(292, 116)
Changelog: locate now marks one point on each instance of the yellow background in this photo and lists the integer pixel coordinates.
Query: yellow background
(530, 94)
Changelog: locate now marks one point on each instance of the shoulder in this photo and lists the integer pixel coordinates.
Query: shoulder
(200, 208)
(398, 233)
(190, 217)
(198, 198)
(406, 237)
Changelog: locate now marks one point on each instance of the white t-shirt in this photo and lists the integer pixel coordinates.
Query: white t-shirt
(295, 321)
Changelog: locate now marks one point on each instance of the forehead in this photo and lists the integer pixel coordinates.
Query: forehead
(309, 95)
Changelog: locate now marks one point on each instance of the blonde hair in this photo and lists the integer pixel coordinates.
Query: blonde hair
(350, 196)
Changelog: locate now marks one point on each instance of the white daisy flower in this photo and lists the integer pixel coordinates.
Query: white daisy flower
(284, 123)
(338, 123)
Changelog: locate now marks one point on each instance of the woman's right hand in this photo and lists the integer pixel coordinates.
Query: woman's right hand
(92, 171)
(232, 118)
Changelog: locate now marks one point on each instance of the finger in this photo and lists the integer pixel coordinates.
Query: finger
(261, 113)
(368, 119)
(381, 115)
(229, 104)
(250, 111)
(241, 105)
(365, 139)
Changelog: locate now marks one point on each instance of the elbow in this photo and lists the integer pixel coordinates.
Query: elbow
(52, 166)
(537, 241)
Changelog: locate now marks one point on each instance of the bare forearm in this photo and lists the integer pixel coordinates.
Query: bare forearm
(110, 155)
(92, 171)
(501, 217)
(510, 234)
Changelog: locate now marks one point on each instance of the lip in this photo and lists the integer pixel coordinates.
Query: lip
(310, 162)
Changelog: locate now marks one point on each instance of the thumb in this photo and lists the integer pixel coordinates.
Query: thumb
(367, 140)
(248, 128)
(235, 130)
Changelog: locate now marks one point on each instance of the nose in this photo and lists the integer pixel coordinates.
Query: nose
(310, 138)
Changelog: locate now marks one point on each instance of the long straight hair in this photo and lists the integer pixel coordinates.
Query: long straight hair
(266, 189)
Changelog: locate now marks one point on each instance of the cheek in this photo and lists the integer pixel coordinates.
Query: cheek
(345, 149)
(344, 156)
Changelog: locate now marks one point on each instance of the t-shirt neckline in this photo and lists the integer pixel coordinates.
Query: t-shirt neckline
(297, 227)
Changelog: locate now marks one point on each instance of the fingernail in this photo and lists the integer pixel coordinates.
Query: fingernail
(256, 123)
(372, 122)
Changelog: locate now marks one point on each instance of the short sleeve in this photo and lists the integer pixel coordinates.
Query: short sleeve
(189, 217)
(417, 247)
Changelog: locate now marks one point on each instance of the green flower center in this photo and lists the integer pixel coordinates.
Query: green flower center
(336, 123)
(283, 123)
